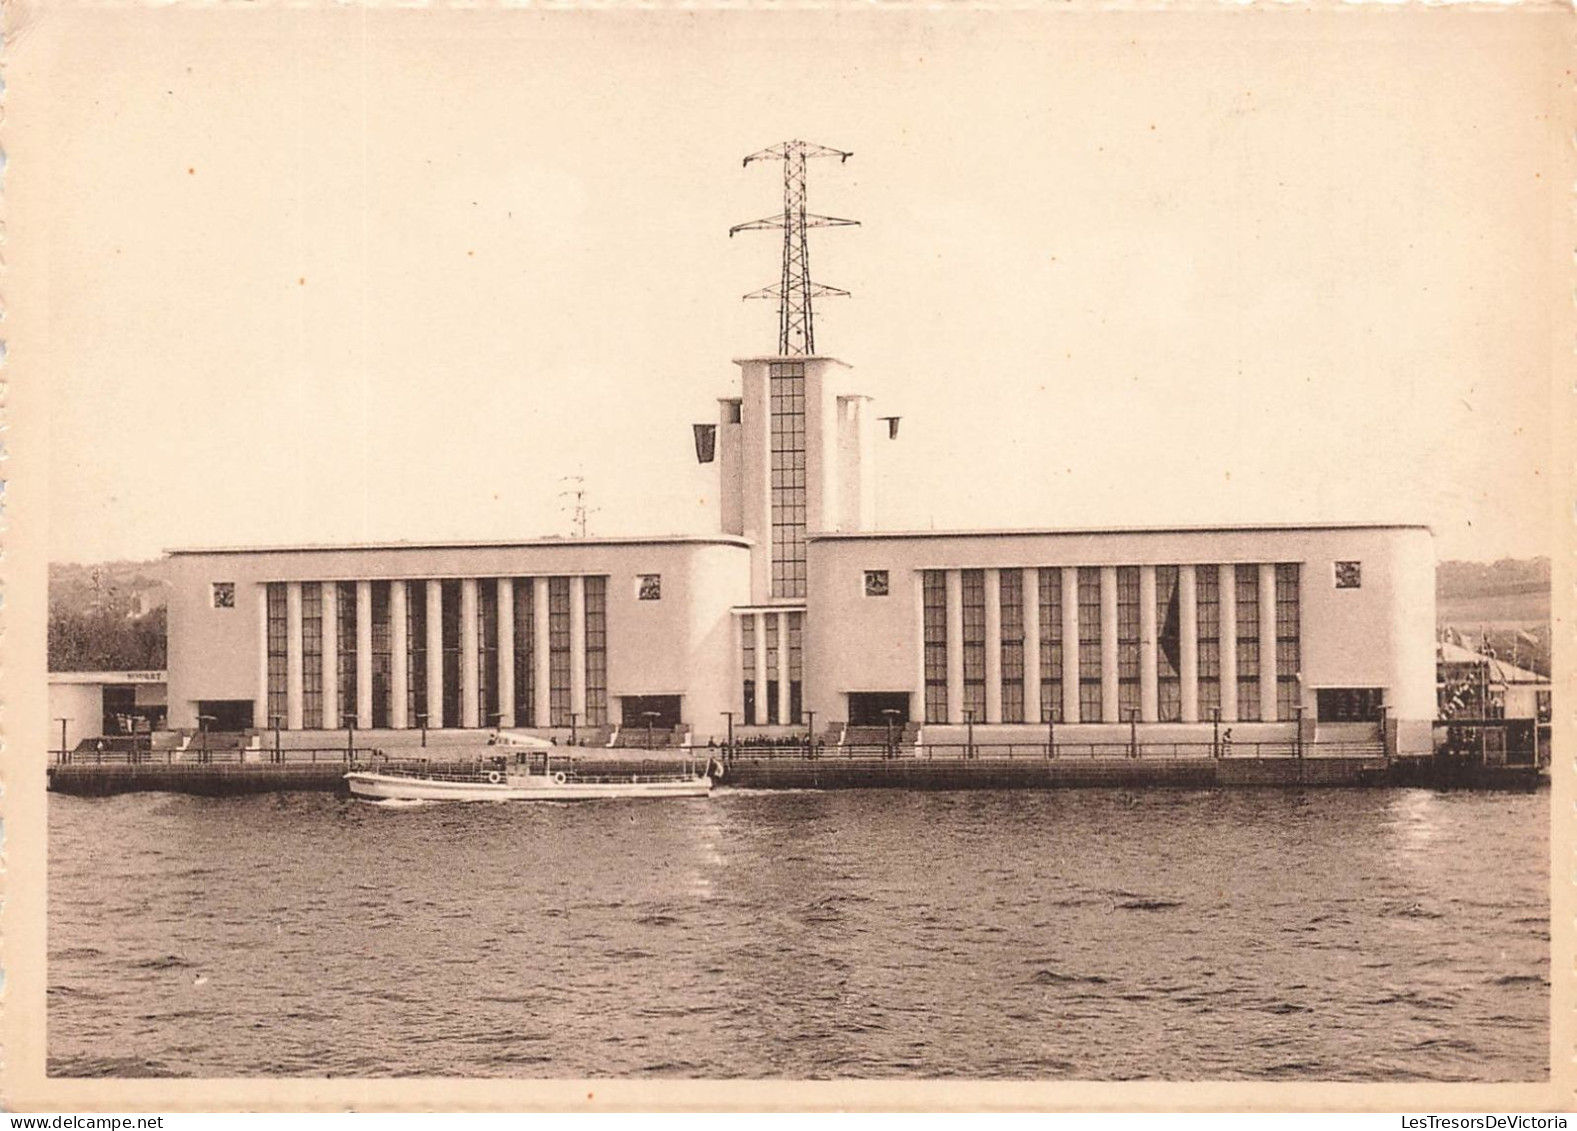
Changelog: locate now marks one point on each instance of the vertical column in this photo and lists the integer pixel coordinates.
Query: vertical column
(993, 582)
(955, 646)
(1070, 646)
(399, 656)
(260, 717)
(1031, 590)
(1149, 661)
(506, 651)
(783, 668)
(435, 653)
(331, 704)
(1267, 641)
(293, 679)
(364, 654)
(543, 674)
(470, 654)
(1110, 702)
(1229, 642)
(1188, 642)
(760, 674)
(577, 646)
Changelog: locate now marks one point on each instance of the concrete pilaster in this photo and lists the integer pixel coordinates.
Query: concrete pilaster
(260, 717)
(435, 654)
(364, 654)
(399, 655)
(993, 585)
(577, 646)
(1267, 642)
(331, 704)
(783, 668)
(759, 621)
(506, 651)
(1070, 646)
(1110, 701)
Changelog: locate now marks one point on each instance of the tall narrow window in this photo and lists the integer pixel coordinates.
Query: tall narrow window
(974, 610)
(933, 589)
(449, 624)
(596, 651)
(559, 707)
(525, 653)
(1089, 644)
(1207, 602)
(1248, 642)
(381, 659)
(1050, 585)
(772, 644)
(345, 614)
(1168, 650)
(416, 652)
(787, 449)
(1289, 659)
(796, 665)
(747, 665)
(1012, 590)
(312, 655)
(1127, 642)
(487, 653)
(278, 657)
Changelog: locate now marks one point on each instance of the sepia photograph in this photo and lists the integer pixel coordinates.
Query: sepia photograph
(745, 557)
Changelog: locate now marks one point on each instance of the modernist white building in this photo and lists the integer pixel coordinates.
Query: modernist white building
(797, 607)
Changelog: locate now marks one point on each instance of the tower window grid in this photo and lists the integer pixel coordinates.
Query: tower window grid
(559, 702)
(772, 643)
(1049, 583)
(416, 650)
(596, 651)
(1089, 590)
(1011, 590)
(1169, 680)
(347, 660)
(525, 652)
(1289, 659)
(278, 655)
(1128, 696)
(796, 666)
(747, 666)
(311, 655)
(486, 652)
(933, 603)
(973, 605)
(1207, 605)
(1248, 642)
(449, 622)
(787, 395)
(381, 660)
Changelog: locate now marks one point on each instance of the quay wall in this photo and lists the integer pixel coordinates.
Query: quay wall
(226, 779)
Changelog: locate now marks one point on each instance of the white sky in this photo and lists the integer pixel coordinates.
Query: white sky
(331, 277)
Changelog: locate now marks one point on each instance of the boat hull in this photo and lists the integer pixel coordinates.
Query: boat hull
(395, 787)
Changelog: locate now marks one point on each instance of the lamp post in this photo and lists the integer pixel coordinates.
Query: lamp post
(350, 736)
(969, 733)
(574, 720)
(650, 717)
(64, 753)
(1133, 733)
(274, 721)
(1215, 732)
(202, 729)
(1051, 732)
(810, 734)
(728, 747)
(1297, 718)
(421, 721)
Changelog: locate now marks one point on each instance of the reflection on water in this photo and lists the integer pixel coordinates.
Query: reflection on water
(1337, 934)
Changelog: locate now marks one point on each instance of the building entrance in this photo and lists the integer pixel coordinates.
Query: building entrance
(869, 708)
(635, 707)
(226, 714)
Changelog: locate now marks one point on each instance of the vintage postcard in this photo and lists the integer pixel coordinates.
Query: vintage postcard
(597, 556)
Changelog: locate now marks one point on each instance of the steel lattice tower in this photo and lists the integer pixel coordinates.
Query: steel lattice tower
(795, 290)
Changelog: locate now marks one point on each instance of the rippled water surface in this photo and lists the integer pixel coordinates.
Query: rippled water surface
(1083, 934)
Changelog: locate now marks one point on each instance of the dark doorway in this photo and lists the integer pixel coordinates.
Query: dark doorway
(226, 714)
(869, 708)
(634, 709)
(1348, 704)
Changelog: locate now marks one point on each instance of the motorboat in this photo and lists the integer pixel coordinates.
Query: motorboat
(495, 779)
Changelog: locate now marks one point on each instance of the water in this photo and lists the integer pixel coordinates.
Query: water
(1258, 934)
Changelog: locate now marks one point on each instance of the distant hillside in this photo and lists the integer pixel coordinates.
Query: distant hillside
(1505, 604)
(106, 617)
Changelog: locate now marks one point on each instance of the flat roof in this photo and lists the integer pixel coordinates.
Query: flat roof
(1074, 531)
(476, 544)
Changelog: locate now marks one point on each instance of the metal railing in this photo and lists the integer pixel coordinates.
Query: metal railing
(1085, 751)
(195, 757)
